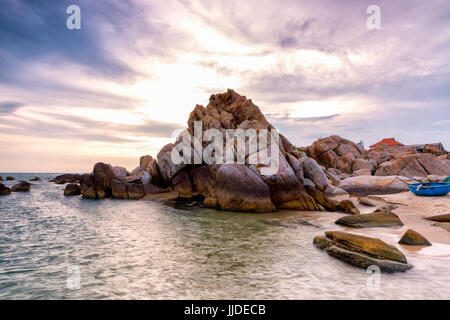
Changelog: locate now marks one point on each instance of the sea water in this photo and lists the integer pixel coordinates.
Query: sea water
(57, 247)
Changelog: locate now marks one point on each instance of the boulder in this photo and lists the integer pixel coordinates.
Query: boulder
(371, 220)
(362, 251)
(150, 188)
(103, 175)
(413, 238)
(366, 202)
(35, 179)
(433, 165)
(89, 193)
(22, 186)
(146, 177)
(66, 178)
(9, 178)
(373, 185)
(297, 166)
(182, 184)
(321, 198)
(4, 190)
(407, 165)
(440, 218)
(72, 189)
(347, 206)
(165, 164)
(286, 191)
(144, 162)
(336, 152)
(360, 163)
(239, 189)
(135, 191)
(119, 189)
(86, 181)
(314, 172)
(119, 172)
(203, 179)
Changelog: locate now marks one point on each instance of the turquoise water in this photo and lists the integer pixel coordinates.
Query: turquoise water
(56, 247)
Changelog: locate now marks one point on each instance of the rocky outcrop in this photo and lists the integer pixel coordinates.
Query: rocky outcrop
(103, 175)
(72, 189)
(371, 220)
(66, 178)
(22, 186)
(372, 185)
(336, 152)
(407, 166)
(413, 238)
(240, 189)
(4, 190)
(362, 251)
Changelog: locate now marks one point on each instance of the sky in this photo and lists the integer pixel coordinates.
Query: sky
(124, 84)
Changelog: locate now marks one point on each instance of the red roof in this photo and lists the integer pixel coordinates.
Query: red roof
(389, 141)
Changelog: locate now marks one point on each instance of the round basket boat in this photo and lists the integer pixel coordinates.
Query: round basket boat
(430, 189)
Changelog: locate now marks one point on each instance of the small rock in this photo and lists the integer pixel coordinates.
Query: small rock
(9, 178)
(35, 179)
(22, 186)
(371, 220)
(366, 202)
(72, 189)
(66, 178)
(348, 206)
(278, 223)
(443, 225)
(414, 238)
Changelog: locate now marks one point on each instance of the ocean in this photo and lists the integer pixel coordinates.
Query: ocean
(56, 247)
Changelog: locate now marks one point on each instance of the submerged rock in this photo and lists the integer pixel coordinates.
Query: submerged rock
(371, 220)
(362, 251)
(4, 190)
(22, 186)
(35, 179)
(72, 189)
(414, 238)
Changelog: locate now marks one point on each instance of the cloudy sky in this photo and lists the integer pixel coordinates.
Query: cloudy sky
(121, 85)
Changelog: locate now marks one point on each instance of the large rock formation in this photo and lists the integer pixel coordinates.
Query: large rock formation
(234, 180)
(229, 110)
(336, 152)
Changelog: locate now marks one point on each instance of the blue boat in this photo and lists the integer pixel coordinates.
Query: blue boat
(430, 189)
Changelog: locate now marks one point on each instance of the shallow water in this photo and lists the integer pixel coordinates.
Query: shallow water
(154, 250)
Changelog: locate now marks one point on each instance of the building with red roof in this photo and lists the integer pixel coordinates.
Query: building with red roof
(390, 142)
